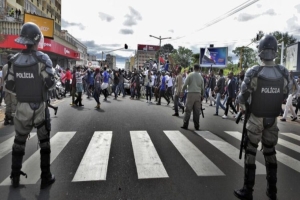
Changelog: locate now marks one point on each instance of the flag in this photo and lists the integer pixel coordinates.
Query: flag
(208, 56)
(161, 60)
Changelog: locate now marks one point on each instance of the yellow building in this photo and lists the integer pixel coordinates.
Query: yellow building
(131, 65)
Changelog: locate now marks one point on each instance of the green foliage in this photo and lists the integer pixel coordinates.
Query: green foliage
(248, 56)
(182, 56)
(164, 51)
(195, 58)
(280, 36)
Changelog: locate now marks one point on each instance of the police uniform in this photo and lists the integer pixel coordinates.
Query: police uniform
(9, 97)
(263, 89)
(31, 76)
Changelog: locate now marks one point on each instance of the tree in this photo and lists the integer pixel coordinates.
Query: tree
(182, 56)
(285, 37)
(195, 58)
(248, 56)
(229, 60)
(164, 51)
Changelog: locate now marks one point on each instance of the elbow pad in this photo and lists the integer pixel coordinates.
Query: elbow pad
(48, 77)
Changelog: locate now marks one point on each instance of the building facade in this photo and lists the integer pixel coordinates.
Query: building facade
(63, 49)
(127, 65)
(132, 63)
(111, 61)
(144, 53)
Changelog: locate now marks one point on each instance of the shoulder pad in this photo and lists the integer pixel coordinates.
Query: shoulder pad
(284, 70)
(44, 58)
(252, 71)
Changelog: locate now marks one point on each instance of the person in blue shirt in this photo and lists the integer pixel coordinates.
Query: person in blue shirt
(105, 83)
(167, 66)
(90, 82)
(162, 89)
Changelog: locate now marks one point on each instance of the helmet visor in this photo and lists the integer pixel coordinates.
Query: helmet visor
(23, 40)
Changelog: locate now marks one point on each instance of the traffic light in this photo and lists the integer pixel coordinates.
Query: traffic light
(126, 46)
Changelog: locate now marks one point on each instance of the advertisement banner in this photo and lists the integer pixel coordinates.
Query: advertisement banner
(292, 57)
(147, 47)
(46, 24)
(49, 46)
(213, 57)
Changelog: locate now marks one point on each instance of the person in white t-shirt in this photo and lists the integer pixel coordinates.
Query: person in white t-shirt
(154, 66)
(169, 79)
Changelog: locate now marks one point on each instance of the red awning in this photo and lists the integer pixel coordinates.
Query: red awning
(49, 46)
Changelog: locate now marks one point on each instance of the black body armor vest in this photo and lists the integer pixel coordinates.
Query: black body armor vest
(28, 82)
(267, 99)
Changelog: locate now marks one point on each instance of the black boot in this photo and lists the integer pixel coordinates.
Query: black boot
(46, 176)
(185, 126)
(249, 179)
(272, 180)
(6, 120)
(17, 158)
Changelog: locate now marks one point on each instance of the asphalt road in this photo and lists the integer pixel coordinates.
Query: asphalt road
(143, 153)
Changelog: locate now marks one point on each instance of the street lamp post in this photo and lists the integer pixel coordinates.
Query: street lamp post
(160, 39)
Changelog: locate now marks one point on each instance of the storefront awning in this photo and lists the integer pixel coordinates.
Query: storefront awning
(49, 46)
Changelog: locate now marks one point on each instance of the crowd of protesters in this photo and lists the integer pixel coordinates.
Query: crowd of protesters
(154, 84)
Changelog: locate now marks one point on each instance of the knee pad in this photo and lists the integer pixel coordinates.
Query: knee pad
(19, 145)
(269, 153)
(45, 146)
(250, 151)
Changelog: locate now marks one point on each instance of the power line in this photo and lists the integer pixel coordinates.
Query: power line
(224, 16)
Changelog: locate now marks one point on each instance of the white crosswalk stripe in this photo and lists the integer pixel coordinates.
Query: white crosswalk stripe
(196, 159)
(228, 150)
(281, 157)
(291, 135)
(6, 146)
(32, 165)
(93, 165)
(147, 160)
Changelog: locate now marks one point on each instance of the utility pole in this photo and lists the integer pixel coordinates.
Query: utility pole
(160, 39)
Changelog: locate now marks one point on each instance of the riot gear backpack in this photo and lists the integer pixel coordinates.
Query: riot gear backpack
(28, 81)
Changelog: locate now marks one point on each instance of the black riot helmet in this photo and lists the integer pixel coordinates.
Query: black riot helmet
(267, 48)
(30, 34)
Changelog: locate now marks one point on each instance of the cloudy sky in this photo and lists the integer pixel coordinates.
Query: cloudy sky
(107, 25)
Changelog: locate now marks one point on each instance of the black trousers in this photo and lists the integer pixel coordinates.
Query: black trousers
(79, 99)
(162, 93)
(229, 103)
(169, 93)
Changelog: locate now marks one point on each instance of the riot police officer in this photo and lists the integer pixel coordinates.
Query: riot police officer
(264, 87)
(31, 76)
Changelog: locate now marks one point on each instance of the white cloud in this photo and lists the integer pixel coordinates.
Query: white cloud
(132, 21)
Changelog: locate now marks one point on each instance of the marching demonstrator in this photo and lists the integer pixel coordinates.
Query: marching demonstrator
(262, 91)
(31, 76)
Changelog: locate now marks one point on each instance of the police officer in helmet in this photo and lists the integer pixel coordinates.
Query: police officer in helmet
(264, 87)
(31, 76)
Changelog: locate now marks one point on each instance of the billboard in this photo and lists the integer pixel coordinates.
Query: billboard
(213, 56)
(293, 57)
(46, 24)
(147, 47)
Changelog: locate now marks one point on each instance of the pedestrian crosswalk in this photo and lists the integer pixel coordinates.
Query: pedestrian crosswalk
(148, 163)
